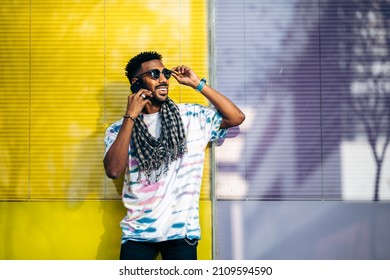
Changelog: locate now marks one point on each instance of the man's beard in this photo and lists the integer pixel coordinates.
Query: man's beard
(158, 101)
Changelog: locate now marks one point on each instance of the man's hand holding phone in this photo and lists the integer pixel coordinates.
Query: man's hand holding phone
(137, 101)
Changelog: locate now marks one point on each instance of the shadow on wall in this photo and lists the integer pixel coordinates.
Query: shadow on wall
(89, 172)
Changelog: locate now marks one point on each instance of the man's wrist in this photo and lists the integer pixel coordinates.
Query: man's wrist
(201, 84)
(128, 116)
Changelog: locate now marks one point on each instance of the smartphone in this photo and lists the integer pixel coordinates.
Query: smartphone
(135, 87)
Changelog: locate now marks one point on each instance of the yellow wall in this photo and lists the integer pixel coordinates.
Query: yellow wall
(71, 230)
(61, 84)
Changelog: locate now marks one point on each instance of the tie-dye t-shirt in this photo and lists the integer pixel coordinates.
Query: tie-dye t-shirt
(169, 209)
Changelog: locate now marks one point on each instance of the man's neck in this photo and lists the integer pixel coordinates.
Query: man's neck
(151, 109)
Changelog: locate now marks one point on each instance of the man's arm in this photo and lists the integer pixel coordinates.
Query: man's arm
(231, 114)
(117, 156)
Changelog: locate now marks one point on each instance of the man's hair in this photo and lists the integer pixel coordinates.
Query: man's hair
(134, 64)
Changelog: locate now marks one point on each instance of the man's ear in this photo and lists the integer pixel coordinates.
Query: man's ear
(133, 80)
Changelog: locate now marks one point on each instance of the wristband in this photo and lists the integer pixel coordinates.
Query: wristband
(129, 117)
(201, 84)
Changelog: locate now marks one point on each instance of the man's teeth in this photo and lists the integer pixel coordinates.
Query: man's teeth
(162, 89)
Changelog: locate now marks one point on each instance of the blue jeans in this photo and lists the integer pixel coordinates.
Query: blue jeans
(178, 249)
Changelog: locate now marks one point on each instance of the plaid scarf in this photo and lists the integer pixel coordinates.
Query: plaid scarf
(156, 154)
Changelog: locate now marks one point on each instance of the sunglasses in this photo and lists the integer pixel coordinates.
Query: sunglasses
(155, 73)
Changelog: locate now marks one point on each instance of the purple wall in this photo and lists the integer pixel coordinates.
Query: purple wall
(284, 178)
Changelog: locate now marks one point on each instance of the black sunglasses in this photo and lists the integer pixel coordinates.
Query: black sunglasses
(155, 73)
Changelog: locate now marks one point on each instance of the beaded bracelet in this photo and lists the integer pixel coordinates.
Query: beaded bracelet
(129, 117)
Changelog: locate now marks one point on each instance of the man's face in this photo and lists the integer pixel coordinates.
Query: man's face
(159, 86)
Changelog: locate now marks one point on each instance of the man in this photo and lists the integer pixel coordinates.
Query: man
(160, 148)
